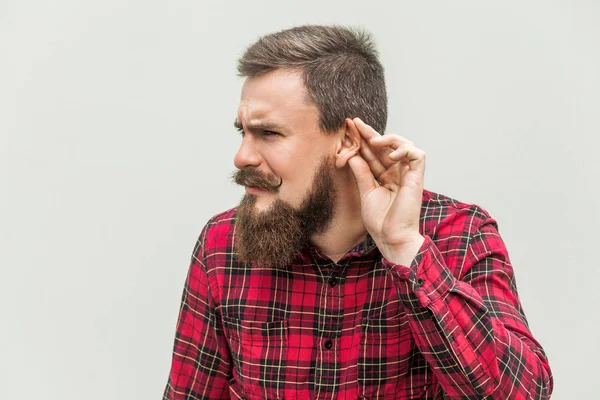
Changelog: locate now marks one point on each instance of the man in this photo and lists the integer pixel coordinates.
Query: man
(339, 276)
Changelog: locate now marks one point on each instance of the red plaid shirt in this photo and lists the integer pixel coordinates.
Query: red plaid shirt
(450, 325)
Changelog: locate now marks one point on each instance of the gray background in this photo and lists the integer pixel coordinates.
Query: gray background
(117, 146)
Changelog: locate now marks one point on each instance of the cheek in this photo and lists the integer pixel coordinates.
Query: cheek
(283, 163)
(296, 185)
(296, 165)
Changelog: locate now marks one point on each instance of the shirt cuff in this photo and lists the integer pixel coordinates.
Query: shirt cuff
(426, 280)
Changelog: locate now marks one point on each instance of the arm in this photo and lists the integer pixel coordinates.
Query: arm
(472, 331)
(201, 362)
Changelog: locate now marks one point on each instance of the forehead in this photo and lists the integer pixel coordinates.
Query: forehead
(277, 96)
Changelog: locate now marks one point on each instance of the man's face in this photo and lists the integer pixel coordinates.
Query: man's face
(286, 164)
(282, 138)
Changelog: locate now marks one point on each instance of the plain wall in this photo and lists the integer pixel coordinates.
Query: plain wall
(116, 146)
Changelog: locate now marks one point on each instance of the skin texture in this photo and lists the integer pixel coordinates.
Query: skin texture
(282, 139)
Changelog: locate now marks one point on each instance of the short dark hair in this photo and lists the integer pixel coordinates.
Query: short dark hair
(340, 69)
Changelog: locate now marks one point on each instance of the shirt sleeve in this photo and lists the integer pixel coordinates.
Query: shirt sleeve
(201, 361)
(472, 330)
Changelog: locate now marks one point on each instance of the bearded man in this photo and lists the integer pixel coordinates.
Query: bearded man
(339, 276)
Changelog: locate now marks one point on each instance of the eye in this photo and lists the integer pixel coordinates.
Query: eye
(270, 133)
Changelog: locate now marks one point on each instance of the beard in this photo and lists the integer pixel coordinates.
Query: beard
(276, 235)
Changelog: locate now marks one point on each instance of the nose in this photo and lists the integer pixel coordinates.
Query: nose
(247, 155)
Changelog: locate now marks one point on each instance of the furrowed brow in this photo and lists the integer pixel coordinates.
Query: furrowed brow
(258, 126)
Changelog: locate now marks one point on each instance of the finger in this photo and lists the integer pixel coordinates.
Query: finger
(411, 157)
(386, 145)
(381, 154)
(377, 167)
(408, 152)
(392, 141)
(365, 130)
(362, 174)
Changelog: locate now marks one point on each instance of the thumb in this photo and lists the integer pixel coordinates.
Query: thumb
(362, 174)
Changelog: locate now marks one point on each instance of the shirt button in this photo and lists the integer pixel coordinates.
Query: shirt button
(420, 282)
(328, 344)
(332, 281)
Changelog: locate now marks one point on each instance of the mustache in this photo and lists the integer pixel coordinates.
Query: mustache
(254, 178)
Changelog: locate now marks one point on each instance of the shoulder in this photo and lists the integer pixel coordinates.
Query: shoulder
(213, 248)
(215, 243)
(217, 234)
(440, 212)
(219, 229)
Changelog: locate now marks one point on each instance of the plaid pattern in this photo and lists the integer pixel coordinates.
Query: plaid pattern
(450, 325)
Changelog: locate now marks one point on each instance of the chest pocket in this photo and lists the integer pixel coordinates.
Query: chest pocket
(389, 364)
(258, 351)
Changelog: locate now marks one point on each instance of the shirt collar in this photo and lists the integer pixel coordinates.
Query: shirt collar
(363, 248)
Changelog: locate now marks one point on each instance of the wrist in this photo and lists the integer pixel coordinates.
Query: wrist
(405, 253)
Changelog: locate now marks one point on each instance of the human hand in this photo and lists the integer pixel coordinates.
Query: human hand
(389, 172)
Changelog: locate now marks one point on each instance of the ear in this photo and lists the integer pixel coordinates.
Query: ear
(349, 144)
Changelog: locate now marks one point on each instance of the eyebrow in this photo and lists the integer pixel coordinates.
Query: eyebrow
(258, 126)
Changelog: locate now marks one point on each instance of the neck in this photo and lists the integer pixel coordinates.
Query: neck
(346, 229)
